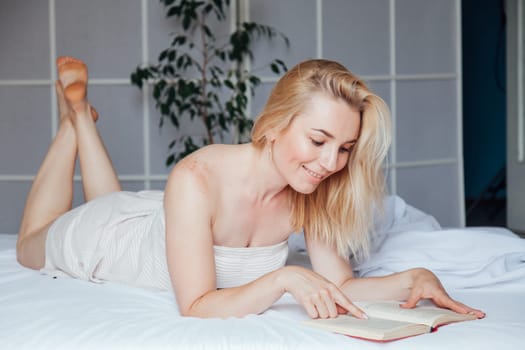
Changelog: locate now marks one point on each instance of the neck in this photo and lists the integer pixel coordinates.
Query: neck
(264, 180)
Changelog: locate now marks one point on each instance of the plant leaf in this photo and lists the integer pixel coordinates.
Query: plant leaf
(170, 160)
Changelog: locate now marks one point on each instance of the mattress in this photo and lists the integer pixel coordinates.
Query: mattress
(41, 312)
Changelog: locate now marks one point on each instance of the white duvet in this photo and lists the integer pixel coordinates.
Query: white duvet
(462, 258)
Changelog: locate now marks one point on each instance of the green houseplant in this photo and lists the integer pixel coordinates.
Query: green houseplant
(202, 75)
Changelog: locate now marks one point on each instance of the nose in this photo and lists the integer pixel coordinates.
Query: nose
(329, 159)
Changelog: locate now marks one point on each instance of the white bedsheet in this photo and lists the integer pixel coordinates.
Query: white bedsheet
(39, 312)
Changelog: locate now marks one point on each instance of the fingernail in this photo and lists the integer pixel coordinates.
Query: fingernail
(364, 316)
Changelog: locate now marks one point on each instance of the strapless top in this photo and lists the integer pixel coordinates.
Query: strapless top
(238, 266)
(121, 237)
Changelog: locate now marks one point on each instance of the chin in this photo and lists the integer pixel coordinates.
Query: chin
(304, 189)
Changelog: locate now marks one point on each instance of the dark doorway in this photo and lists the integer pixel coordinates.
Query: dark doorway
(484, 111)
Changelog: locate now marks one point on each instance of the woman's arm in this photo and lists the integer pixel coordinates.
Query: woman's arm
(318, 296)
(409, 286)
(188, 204)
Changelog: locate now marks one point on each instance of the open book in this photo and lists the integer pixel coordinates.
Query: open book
(388, 321)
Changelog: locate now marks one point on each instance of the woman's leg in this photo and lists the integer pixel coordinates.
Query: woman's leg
(98, 175)
(51, 194)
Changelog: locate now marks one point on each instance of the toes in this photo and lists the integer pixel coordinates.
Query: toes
(71, 70)
(68, 60)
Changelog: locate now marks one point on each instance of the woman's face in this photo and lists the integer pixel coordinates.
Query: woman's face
(317, 143)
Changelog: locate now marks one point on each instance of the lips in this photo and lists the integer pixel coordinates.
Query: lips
(313, 173)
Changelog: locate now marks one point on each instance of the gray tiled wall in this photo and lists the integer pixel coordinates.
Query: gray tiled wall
(406, 50)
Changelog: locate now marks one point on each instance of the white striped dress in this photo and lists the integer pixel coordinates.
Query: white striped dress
(121, 238)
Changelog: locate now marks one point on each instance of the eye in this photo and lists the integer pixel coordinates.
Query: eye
(317, 143)
(346, 149)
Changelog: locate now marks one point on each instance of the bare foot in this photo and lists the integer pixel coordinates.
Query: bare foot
(64, 110)
(72, 87)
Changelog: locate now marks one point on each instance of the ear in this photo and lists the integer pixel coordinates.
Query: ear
(271, 136)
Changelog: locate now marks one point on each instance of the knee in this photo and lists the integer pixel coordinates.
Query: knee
(21, 255)
(28, 254)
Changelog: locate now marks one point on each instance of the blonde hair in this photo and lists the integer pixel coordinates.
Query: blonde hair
(340, 211)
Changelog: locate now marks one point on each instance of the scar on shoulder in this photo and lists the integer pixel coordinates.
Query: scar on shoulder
(198, 170)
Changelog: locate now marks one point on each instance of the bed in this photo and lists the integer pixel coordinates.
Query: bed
(483, 267)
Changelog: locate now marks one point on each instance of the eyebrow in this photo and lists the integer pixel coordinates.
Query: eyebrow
(327, 134)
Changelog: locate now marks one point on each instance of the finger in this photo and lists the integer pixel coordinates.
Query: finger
(357, 312)
(329, 303)
(320, 305)
(310, 309)
(345, 303)
(442, 299)
(477, 313)
(472, 311)
(452, 305)
(411, 301)
(460, 307)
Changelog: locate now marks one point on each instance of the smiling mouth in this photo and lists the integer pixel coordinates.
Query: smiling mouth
(313, 173)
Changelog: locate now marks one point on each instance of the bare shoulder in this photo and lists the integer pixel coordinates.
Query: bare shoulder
(190, 195)
(204, 169)
(194, 190)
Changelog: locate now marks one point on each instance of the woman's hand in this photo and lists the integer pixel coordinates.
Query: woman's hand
(423, 284)
(318, 296)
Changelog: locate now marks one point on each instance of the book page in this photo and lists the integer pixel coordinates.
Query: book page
(428, 315)
(373, 328)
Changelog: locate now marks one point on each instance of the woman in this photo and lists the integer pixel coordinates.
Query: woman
(218, 233)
